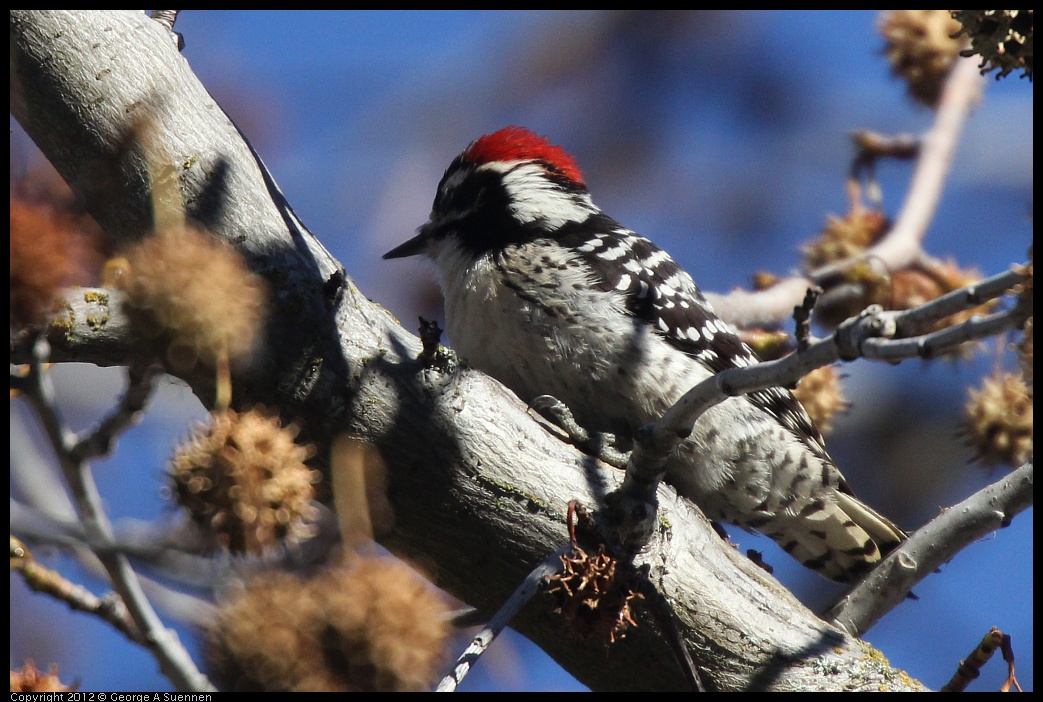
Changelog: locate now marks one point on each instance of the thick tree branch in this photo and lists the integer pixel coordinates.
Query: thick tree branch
(480, 489)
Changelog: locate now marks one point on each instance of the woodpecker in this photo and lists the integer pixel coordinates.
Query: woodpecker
(549, 295)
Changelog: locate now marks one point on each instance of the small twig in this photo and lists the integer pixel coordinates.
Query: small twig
(920, 318)
(41, 579)
(174, 660)
(944, 340)
(1007, 648)
(434, 355)
(140, 377)
(481, 642)
(929, 547)
(802, 317)
(874, 145)
(154, 544)
(970, 667)
(870, 148)
(871, 335)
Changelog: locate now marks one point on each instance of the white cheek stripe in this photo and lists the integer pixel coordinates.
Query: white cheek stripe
(533, 197)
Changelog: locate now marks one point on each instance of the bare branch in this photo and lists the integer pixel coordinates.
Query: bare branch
(99, 441)
(39, 578)
(919, 319)
(871, 335)
(481, 642)
(146, 542)
(931, 546)
(944, 340)
(901, 246)
(174, 660)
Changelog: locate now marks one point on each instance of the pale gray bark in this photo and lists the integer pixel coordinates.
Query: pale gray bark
(479, 487)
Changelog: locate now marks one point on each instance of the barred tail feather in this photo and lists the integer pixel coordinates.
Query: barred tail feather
(841, 540)
(882, 530)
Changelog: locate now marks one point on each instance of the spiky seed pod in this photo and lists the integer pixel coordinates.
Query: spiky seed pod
(31, 679)
(263, 638)
(389, 625)
(822, 395)
(844, 237)
(195, 294)
(595, 594)
(999, 420)
(244, 481)
(45, 246)
(921, 49)
(372, 625)
(1003, 39)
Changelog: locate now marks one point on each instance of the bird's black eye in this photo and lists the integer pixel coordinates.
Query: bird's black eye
(463, 191)
(448, 202)
(448, 196)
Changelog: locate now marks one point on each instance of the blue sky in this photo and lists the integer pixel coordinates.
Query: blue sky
(723, 137)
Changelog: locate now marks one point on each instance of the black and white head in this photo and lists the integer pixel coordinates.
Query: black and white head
(505, 188)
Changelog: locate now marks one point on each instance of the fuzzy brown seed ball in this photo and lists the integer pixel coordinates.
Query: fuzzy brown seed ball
(844, 237)
(999, 420)
(822, 395)
(371, 625)
(44, 250)
(244, 481)
(390, 625)
(921, 49)
(195, 293)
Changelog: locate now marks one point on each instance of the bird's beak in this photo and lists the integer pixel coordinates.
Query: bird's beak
(416, 245)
